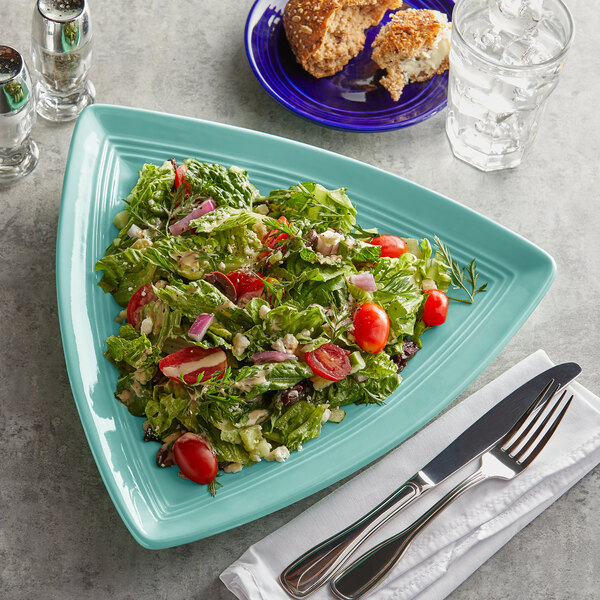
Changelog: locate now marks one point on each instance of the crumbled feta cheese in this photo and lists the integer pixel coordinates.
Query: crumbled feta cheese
(263, 311)
(233, 468)
(278, 345)
(326, 416)
(330, 237)
(279, 454)
(146, 326)
(135, 232)
(288, 344)
(240, 343)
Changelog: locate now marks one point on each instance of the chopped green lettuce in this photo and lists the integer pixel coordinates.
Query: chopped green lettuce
(247, 411)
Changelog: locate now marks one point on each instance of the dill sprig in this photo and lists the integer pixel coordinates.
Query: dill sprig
(390, 282)
(213, 486)
(213, 400)
(463, 277)
(275, 290)
(280, 226)
(339, 324)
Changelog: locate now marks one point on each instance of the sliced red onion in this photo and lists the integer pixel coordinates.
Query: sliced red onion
(183, 225)
(271, 356)
(364, 281)
(200, 327)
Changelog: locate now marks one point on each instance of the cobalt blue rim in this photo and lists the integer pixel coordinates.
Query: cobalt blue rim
(349, 100)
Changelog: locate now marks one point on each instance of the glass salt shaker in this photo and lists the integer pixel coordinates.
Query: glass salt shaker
(18, 152)
(61, 44)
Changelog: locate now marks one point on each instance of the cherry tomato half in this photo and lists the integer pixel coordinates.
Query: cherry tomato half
(140, 298)
(192, 361)
(391, 245)
(371, 327)
(275, 236)
(195, 458)
(436, 308)
(329, 361)
(247, 284)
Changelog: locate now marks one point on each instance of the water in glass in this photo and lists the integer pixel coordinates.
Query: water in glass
(505, 59)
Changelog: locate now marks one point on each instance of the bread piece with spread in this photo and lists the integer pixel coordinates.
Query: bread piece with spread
(413, 46)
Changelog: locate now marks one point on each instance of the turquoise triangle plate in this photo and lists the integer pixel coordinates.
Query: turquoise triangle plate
(110, 144)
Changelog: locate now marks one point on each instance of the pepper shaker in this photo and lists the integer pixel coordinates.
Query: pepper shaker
(61, 44)
(18, 152)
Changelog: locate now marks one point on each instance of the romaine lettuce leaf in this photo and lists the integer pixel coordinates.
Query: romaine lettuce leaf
(228, 187)
(258, 379)
(351, 391)
(202, 297)
(124, 273)
(323, 208)
(298, 424)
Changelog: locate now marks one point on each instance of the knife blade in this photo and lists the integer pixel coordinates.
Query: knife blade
(318, 565)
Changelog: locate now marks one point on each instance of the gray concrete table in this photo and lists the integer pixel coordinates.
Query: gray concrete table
(60, 536)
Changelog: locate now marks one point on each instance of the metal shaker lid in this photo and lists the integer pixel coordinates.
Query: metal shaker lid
(15, 86)
(61, 26)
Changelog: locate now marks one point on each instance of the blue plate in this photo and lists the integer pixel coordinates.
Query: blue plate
(110, 144)
(350, 99)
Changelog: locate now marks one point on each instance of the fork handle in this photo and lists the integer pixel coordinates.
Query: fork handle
(366, 572)
(316, 566)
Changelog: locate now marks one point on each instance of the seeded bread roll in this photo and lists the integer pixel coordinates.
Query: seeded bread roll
(413, 46)
(326, 34)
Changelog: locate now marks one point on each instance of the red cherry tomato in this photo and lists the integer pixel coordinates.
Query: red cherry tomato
(140, 298)
(371, 327)
(329, 361)
(195, 458)
(436, 308)
(180, 177)
(192, 361)
(247, 284)
(179, 174)
(275, 236)
(391, 245)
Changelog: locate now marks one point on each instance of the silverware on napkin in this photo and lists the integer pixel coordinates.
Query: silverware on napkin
(505, 460)
(318, 565)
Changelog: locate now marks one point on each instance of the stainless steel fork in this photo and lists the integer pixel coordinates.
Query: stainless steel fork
(505, 460)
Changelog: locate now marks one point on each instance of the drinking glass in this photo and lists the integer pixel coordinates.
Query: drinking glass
(505, 59)
(18, 152)
(61, 45)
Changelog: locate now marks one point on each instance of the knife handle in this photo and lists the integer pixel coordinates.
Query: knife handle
(318, 565)
(368, 570)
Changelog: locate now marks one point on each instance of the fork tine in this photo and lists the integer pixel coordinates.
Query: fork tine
(542, 442)
(531, 439)
(533, 406)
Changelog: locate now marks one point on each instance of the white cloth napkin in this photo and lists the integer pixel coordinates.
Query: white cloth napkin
(467, 533)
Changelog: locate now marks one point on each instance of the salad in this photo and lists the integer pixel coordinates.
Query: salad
(249, 321)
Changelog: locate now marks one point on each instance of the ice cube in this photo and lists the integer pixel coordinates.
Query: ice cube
(515, 16)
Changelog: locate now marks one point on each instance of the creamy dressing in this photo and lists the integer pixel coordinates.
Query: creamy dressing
(249, 382)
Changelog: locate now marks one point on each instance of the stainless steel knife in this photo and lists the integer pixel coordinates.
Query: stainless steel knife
(317, 565)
